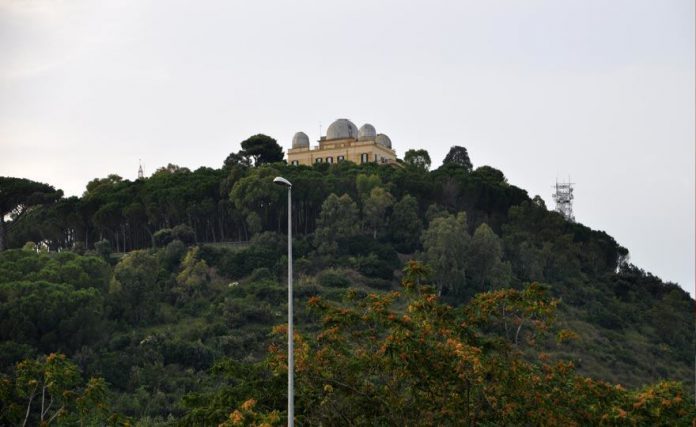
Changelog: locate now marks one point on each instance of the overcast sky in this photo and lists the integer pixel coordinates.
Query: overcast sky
(598, 91)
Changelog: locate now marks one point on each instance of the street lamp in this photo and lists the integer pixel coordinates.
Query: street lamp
(291, 355)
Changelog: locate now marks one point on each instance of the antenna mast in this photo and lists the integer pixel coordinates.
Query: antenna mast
(564, 199)
(140, 169)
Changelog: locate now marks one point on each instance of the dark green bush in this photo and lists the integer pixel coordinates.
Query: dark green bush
(260, 274)
(184, 233)
(374, 267)
(377, 283)
(333, 278)
(163, 237)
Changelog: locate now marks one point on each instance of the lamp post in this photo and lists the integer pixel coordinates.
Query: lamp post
(291, 355)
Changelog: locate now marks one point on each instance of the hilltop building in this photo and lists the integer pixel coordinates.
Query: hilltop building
(343, 141)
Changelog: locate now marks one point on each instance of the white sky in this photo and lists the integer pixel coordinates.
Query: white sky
(601, 91)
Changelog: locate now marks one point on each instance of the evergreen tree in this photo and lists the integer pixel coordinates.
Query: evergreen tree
(261, 149)
(17, 197)
(458, 156)
(484, 263)
(405, 226)
(445, 247)
(375, 208)
(338, 219)
(418, 158)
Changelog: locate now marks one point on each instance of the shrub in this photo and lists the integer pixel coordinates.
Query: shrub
(173, 253)
(184, 233)
(333, 278)
(377, 283)
(163, 237)
(373, 267)
(260, 274)
(103, 249)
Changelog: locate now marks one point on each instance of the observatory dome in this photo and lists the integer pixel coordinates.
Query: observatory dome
(300, 140)
(383, 139)
(342, 128)
(367, 131)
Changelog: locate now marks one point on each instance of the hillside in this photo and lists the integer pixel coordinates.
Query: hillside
(164, 285)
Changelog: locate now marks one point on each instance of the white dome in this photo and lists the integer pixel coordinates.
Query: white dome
(383, 140)
(342, 128)
(367, 131)
(300, 140)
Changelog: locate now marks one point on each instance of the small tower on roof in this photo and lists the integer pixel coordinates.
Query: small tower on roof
(141, 175)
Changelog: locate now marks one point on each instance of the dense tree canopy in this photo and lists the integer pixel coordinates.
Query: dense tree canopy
(168, 288)
(17, 197)
(50, 391)
(458, 156)
(262, 149)
(338, 220)
(446, 246)
(419, 158)
(430, 364)
(405, 225)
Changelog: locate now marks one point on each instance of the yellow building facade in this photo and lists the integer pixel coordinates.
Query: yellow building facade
(343, 141)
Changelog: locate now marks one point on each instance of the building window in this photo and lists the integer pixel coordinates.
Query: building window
(295, 162)
(318, 160)
(329, 160)
(340, 158)
(375, 157)
(363, 158)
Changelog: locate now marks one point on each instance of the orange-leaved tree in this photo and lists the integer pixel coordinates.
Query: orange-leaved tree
(50, 390)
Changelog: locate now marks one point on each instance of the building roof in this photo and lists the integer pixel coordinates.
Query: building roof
(384, 140)
(367, 131)
(342, 128)
(300, 140)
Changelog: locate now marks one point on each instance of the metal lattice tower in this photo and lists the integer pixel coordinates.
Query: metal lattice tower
(140, 171)
(564, 199)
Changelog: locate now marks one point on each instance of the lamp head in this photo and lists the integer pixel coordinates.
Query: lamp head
(279, 180)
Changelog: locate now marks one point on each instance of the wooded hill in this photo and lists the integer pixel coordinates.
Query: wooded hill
(168, 287)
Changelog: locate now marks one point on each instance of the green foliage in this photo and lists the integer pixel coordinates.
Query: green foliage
(255, 196)
(172, 254)
(373, 364)
(365, 183)
(458, 156)
(17, 197)
(418, 158)
(405, 226)
(375, 208)
(163, 237)
(262, 149)
(50, 390)
(184, 233)
(333, 278)
(103, 249)
(261, 273)
(236, 160)
(489, 174)
(193, 279)
(445, 246)
(134, 289)
(374, 267)
(50, 316)
(338, 220)
(155, 323)
(484, 261)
